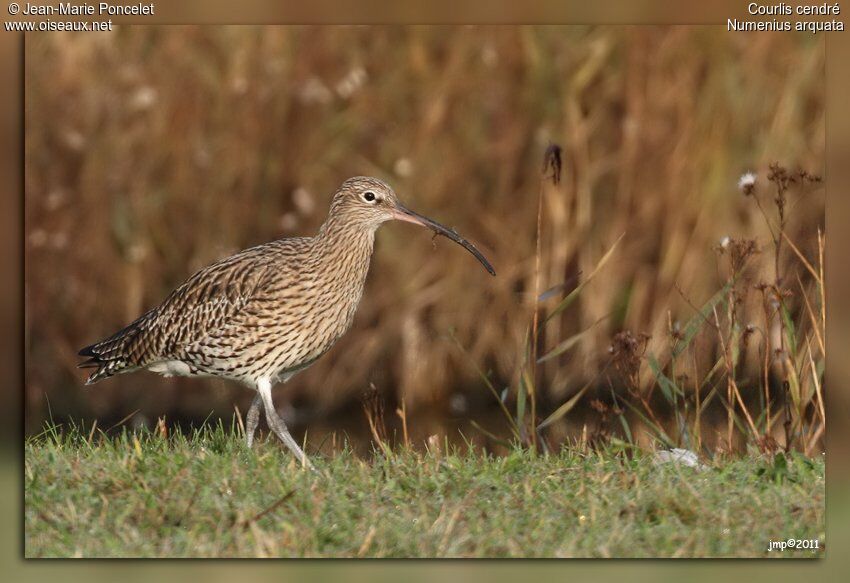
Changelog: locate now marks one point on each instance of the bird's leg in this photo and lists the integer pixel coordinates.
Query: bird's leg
(252, 419)
(264, 387)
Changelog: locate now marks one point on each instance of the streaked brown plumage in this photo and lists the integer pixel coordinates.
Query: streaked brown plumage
(262, 315)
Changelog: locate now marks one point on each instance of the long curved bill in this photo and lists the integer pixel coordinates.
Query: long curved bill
(402, 213)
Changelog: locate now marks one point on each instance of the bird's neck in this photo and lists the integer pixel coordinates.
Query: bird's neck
(345, 249)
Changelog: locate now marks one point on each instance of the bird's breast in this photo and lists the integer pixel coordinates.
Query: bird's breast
(320, 307)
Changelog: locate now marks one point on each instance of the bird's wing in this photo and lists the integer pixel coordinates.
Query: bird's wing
(203, 304)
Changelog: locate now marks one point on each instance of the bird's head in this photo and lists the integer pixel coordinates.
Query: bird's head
(365, 202)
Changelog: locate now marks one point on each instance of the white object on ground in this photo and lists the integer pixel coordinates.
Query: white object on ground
(678, 456)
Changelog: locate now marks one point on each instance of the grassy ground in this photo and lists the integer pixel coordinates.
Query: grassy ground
(206, 495)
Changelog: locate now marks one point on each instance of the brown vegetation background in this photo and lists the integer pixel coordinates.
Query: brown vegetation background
(151, 152)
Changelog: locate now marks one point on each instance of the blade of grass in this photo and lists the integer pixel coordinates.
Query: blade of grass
(489, 434)
(695, 323)
(571, 297)
(623, 421)
(803, 259)
(490, 386)
(790, 330)
(812, 317)
(571, 402)
(569, 343)
(124, 420)
(816, 381)
(520, 402)
(822, 287)
(668, 387)
(655, 427)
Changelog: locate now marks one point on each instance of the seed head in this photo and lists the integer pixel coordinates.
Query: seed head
(747, 183)
(627, 350)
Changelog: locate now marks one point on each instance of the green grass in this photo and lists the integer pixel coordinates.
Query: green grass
(207, 495)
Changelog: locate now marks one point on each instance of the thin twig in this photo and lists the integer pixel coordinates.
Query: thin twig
(551, 171)
(247, 522)
(124, 420)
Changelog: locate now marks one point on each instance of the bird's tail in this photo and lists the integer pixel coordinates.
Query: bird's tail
(110, 356)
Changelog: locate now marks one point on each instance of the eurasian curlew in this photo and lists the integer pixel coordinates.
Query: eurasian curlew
(266, 313)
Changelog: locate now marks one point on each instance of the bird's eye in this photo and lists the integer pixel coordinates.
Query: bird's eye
(369, 196)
